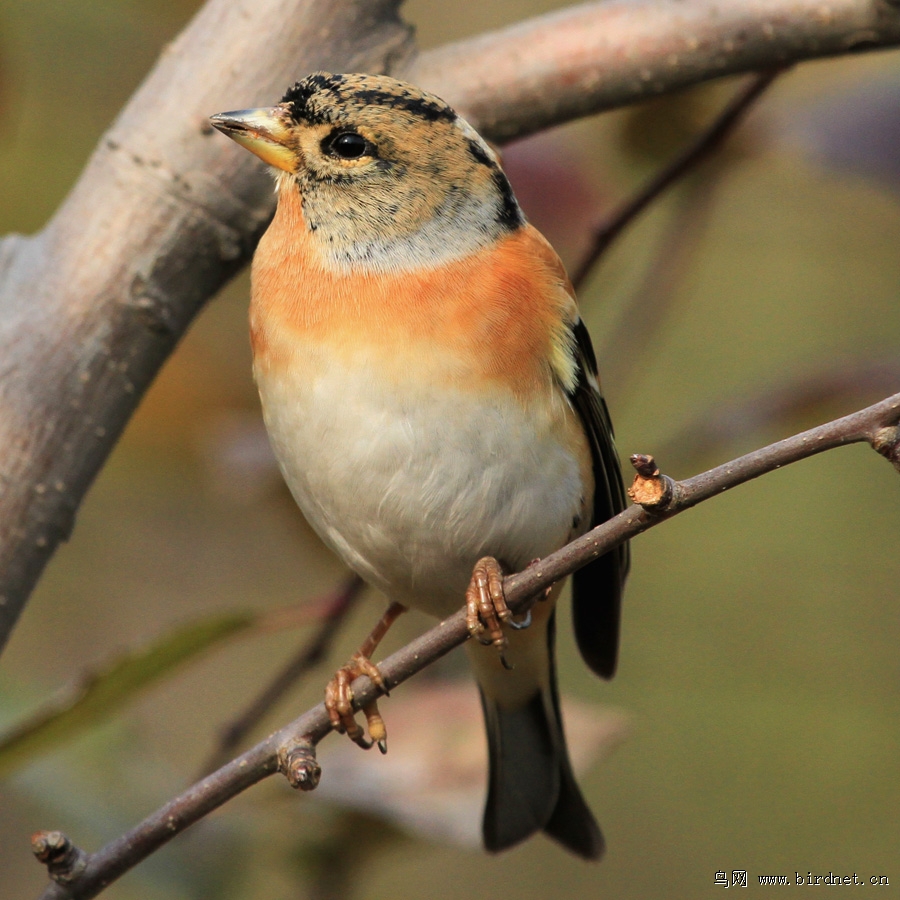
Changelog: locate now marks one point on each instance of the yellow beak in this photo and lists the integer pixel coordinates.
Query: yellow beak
(265, 132)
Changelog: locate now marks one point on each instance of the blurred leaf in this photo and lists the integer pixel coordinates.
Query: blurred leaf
(101, 693)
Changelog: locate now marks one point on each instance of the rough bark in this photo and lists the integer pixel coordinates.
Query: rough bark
(163, 215)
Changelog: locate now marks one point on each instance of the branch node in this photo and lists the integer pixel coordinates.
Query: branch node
(64, 861)
(651, 490)
(297, 762)
(886, 441)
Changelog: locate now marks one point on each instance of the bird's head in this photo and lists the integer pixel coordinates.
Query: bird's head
(386, 171)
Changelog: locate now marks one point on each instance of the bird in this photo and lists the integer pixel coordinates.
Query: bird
(431, 395)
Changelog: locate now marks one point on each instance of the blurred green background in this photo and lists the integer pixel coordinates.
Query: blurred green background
(759, 673)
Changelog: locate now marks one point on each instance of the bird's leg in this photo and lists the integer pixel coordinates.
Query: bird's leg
(339, 696)
(486, 609)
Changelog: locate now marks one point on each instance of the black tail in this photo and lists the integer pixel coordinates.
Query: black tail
(531, 786)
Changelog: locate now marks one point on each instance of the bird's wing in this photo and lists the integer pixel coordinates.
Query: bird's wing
(597, 588)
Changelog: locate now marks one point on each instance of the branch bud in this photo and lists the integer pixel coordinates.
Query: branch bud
(887, 442)
(297, 762)
(64, 861)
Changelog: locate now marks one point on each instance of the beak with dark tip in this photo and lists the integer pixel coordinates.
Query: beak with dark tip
(265, 132)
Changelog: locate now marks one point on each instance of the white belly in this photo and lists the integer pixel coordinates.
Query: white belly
(411, 490)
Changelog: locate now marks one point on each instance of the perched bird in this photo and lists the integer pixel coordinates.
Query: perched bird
(431, 395)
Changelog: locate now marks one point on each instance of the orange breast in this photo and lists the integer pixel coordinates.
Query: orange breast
(497, 315)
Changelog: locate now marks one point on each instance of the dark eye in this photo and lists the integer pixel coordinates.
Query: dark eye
(348, 145)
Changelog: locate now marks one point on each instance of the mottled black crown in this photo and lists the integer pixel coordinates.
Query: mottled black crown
(359, 91)
(298, 95)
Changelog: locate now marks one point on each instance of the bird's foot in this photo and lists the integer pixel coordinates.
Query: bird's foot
(339, 704)
(486, 609)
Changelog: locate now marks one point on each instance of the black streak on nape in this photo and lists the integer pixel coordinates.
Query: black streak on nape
(480, 154)
(508, 215)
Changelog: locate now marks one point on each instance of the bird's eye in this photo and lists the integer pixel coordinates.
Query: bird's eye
(348, 145)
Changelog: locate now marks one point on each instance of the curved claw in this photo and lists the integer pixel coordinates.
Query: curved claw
(523, 624)
(359, 738)
(376, 726)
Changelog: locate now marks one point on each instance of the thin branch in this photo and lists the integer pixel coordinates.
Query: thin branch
(292, 748)
(876, 425)
(312, 652)
(164, 214)
(708, 141)
(646, 310)
(847, 382)
(645, 313)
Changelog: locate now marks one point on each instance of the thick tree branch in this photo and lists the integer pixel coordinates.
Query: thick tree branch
(292, 748)
(164, 213)
(602, 55)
